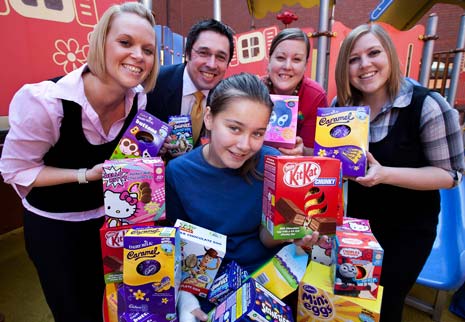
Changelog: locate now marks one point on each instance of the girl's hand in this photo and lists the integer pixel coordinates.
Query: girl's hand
(298, 148)
(189, 308)
(307, 242)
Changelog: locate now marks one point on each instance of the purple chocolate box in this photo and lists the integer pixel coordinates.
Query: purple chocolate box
(342, 133)
(143, 138)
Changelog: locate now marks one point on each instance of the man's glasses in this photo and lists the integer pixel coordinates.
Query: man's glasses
(205, 53)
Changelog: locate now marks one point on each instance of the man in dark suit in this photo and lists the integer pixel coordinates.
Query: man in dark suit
(209, 50)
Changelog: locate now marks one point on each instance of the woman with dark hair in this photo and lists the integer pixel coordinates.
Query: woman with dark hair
(288, 57)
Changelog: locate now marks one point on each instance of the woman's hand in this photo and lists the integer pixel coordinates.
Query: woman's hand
(375, 173)
(298, 148)
(95, 173)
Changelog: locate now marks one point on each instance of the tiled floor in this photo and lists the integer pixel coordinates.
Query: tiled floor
(21, 299)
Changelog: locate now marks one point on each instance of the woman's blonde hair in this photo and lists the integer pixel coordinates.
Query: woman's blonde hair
(346, 93)
(96, 56)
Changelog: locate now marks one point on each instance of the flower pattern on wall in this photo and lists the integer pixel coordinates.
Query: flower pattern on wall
(69, 54)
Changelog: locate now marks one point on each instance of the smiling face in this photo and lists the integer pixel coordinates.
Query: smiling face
(208, 60)
(237, 133)
(369, 67)
(287, 65)
(129, 50)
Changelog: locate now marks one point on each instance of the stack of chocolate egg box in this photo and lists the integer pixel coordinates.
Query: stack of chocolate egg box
(349, 289)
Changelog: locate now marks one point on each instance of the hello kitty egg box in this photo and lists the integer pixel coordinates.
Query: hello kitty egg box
(134, 190)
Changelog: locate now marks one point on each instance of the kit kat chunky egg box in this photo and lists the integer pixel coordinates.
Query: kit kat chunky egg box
(342, 133)
(181, 133)
(317, 302)
(203, 251)
(134, 190)
(357, 263)
(251, 302)
(282, 127)
(299, 191)
(151, 272)
(143, 138)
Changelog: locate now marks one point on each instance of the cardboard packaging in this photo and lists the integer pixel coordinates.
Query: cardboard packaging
(181, 133)
(134, 190)
(143, 138)
(317, 302)
(203, 251)
(227, 281)
(298, 192)
(281, 274)
(355, 225)
(111, 241)
(251, 302)
(358, 259)
(342, 133)
(282, 128)
(151, 272)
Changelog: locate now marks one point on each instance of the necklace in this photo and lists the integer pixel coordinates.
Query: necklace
(295, 92)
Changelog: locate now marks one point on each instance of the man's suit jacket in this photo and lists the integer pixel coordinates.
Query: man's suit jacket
(165, 99)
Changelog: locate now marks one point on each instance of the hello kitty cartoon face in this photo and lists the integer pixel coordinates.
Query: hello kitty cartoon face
(358, 227)
(120, 206)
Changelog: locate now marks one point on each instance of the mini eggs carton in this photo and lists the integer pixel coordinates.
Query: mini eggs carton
(203, 251)
(181, 133)
(151, 272)
(251, 302)
(357, 263)
(143, 138)
(281, 274)
(282, 127)
(134, 190)
(317, 302)
(342, 133)
(299, 191)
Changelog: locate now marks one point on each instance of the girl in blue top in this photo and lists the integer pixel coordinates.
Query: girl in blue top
(219, 185)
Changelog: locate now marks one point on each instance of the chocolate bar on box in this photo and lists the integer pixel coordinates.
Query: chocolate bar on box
(342, 133)
(111, 242)
(298, 189)
(143, 138)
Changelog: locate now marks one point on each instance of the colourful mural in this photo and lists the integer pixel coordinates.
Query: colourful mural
(43, 39)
